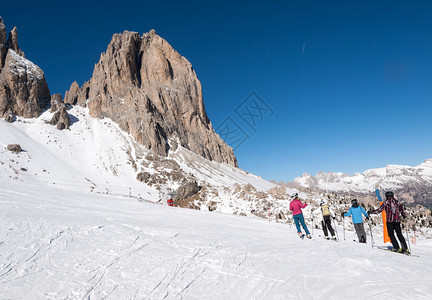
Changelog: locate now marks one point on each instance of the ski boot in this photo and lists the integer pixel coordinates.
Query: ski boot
(326, 237)
(301, 235)
(309, 236)
(334, 238)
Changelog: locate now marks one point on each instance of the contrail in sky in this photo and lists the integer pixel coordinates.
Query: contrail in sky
(304, 45)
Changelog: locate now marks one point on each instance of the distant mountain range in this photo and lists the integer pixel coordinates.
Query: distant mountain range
(412, 184)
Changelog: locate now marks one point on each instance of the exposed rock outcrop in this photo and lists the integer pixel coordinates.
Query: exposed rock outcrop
(23, 88)
(187, 190)
(10, 118)
(61, 119)
(14, 148)
(143, 176)
(151, 91)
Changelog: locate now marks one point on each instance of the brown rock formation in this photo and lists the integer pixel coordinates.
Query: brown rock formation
(15, 148)
(12, 42)
(151, 91)
(186, 190)
(61, 119)
(23, 88)
(2, 43)
(56, 102)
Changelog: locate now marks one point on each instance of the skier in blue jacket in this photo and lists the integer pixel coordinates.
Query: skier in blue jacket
(356, 212)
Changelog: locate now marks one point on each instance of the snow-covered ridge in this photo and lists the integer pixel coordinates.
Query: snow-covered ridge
(413, 183)
(394, 176)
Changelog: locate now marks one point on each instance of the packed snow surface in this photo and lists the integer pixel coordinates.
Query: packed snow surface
(58, 243)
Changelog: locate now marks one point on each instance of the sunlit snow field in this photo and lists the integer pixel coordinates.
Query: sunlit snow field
(61, 244)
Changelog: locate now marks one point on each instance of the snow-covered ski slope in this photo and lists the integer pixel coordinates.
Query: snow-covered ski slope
(65, 244)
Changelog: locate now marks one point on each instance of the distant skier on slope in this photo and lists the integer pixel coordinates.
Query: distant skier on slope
(356, 211)
(325, 213)
(393, 211)
(170, 202)
(296, 207)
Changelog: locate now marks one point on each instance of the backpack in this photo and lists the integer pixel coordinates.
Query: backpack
(325, 210)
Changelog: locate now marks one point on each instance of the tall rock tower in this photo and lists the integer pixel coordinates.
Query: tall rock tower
(152, 92)
(23, 88)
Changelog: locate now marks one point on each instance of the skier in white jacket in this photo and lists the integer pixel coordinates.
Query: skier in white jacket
(325, 213)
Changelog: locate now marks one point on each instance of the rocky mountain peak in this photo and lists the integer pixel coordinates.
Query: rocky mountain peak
(23, 88)
(12, 42)
(2, 32)
(152, 92)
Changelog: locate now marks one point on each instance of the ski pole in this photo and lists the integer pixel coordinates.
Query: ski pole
(312, 222)
(343, 226)
(409, 245)
(370, 229)
(337, 234)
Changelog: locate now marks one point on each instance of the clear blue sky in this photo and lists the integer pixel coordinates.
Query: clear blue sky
(349, 82)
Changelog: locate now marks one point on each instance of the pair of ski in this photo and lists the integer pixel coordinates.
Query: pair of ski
(391, 249)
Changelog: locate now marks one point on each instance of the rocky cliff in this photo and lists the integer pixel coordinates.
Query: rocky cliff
(152, 92)
(23, 88)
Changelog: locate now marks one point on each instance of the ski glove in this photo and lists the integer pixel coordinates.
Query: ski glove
(343, 214)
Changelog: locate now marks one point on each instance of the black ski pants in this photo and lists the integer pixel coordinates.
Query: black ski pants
(326, 224)
(391, 228)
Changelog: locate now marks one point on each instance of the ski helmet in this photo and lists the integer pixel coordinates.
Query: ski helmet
(354, 202)
(295, 195)
(389, 195)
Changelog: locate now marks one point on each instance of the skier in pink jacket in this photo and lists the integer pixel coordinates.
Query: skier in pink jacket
(296, 207)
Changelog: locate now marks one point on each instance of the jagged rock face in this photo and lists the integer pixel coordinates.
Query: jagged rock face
(23, 88)
(12, 42)
(151, 91)
(3, 49)
(56, 102)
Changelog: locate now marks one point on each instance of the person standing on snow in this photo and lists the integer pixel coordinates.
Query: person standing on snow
(296, 207)
(325, 214)
(356, 211)
(393, 211)
(170, 202)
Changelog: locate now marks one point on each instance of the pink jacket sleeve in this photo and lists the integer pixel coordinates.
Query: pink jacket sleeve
(303, 205)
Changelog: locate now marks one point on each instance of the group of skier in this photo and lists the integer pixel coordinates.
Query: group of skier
(393, 209)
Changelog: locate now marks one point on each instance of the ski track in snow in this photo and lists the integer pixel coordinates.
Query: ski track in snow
(57, 244)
